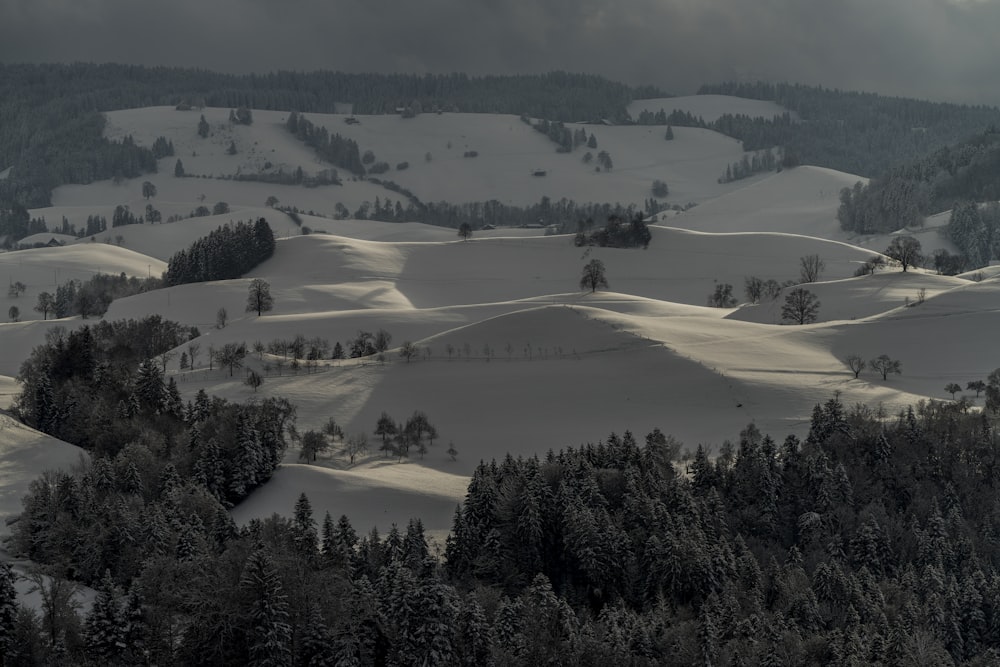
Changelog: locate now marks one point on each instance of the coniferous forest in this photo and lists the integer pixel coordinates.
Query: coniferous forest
(228, 252)
(873, 541)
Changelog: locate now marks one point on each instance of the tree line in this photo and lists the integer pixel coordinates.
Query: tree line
(54, 129)
(228, 252)
(860, 133)
(869, 541)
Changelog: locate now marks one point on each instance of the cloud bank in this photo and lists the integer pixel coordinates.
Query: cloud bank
(938, 49)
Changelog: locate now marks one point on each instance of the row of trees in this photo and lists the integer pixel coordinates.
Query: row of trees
(228, 252)
(93, 297)
(333, 148)
(760, 162)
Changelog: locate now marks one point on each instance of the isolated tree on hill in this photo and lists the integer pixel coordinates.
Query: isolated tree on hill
(382, 340)
(722, 296)
(385, 428)
(259, 297)
(465, 231)
(593, 276)
(801, 307)
(179, 169)
(203, 127)
(313, 444)
(953, 388)
(810, 268)
(221, 317)
(14, 313)
(871, 265)
(45, 304)
(271, 202)
(855, 363)
(231, 356)
(148, 189)
(408, 351)
(355, 445)
(883, 365)
(660, 189)
(669, 136)
(244, 116)
(753, 288)
(220, 208)
(977, 386)
(254, 380)
(905, 250)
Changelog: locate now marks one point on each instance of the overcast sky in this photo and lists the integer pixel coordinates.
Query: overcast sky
(938, 49)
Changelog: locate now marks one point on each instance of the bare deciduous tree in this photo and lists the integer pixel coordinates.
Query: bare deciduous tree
(883, 365)
(593, 276)
(801, 307)
(810, 268)
(855, 363)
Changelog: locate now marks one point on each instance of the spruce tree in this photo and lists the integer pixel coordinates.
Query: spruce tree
(105, 630)
(8, 607)
(269, 634)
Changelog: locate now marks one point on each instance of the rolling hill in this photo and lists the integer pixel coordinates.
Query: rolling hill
(515, 358)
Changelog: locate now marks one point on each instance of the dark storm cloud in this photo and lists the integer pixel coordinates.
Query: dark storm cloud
(943, 49)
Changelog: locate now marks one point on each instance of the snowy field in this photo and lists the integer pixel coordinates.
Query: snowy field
(516, 358)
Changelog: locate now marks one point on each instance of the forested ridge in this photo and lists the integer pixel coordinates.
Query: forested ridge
(875, 541)
(860, 133)
(51, 124)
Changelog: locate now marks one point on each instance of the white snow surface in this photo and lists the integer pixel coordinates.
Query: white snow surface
(520, 359)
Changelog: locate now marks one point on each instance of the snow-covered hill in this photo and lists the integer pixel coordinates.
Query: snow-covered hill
(515, 357)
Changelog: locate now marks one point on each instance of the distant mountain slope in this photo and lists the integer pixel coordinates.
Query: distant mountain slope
(860, 133)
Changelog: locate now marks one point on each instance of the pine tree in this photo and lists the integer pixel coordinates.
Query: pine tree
(305, 527)
(269, 634)
(8, 607)
(104, 630)
(317, 645)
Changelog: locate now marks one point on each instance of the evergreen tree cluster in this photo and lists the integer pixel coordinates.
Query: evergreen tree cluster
(228, 252)
(565, 139)
(883, 205)
(63, 379)
(16, 223)
(975, 230)
(94, 296)
(870, 542)
(564, 214)
(123, 216)
(617, 233)
(333, 148)
(53, 129)
(162, 148)
(761, 161)
(647, 117)
(860, 133)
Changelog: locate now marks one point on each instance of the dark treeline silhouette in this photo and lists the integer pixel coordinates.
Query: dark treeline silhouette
(617, 233)
(954, 177)
(860, 133)
(333, 148)
(870, 542)
(228, 252)
(561, 216)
